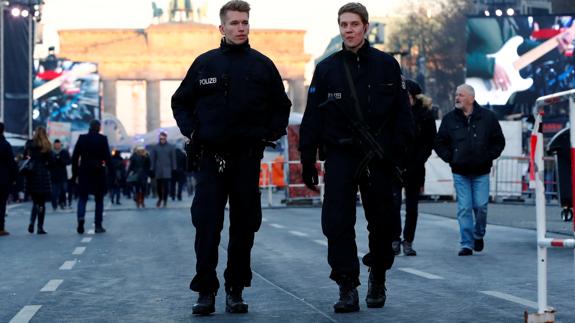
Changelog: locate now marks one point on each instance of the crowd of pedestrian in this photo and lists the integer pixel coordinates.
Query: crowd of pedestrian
(46, 172)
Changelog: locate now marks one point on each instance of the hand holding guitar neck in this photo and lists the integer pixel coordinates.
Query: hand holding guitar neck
(506, 78)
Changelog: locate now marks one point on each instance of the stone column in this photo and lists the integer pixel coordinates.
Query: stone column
(152, 104)
(298, 94)
(109, 96)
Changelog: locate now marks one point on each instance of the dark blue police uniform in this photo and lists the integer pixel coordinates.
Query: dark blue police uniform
(326, 127)
(231, 101)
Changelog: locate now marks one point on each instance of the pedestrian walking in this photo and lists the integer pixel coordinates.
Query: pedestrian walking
(358, 119)
(138, 172)
(91, 164)
(230, 103)
(179, 177)
(414, 174)
(163, 163)
(118, 180)
(469, 139)
(8, 171)
(59, 175)
(38, 152)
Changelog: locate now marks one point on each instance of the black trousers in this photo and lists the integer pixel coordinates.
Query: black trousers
(163, 187)
(339, 214)
(412, 184)
(239, 182)
(38, 208)
(3, 200)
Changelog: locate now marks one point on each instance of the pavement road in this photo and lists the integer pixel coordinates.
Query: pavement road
(139, 271)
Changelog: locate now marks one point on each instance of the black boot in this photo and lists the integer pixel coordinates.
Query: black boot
(41, 215)
(80, 228)
(234, 301)
(348, 298)
(99, 228)
(205, 304)
(375, 291)
(33, 215)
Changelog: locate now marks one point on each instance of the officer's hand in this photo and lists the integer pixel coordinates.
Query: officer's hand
(310, 176)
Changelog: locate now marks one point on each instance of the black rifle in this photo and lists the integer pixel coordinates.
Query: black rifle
(366, 139)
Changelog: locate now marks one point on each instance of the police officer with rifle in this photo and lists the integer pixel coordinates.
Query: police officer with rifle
(358, 119)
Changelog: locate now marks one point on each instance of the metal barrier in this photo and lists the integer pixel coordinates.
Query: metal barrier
(510, 179)
(282, 188)
(545, 313)
(509, 182)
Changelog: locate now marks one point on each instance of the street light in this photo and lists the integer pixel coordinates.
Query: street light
(510, 12)
(30, 12)
(486, 13)
(498, 12)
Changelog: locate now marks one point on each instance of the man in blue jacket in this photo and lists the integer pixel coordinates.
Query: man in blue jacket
(469, 139)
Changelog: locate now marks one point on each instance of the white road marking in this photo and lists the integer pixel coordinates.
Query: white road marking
(321, 242)
(360, 254)
(68, 265)
(277, 226)
(420, 273)
(297, 233)
(511, 298)
(86, 240)
(52, 285)
(9, 207)
(317, 310)
(79, 250)
(91, 231)
(26, 314)
(264, 219)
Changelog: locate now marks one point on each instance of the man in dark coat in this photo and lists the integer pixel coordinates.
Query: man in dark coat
(162, 164)
(469, 139)
(231, 101)
(356, 94)
(91, 164)
(179, 175)
(8, 171)
(59, 174)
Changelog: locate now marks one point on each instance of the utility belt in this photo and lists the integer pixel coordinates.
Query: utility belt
(220, 154)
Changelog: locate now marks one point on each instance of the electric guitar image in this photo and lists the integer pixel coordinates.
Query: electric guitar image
(512, 63)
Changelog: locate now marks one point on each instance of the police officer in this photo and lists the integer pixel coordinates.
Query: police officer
(230, 103)
(358, 117)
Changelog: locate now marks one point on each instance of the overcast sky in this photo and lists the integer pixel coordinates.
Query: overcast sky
(317, 17)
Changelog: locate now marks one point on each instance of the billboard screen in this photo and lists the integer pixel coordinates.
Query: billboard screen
(511, 61)
(66, 92)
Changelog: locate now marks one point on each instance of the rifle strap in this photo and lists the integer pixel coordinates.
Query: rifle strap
(352, 90)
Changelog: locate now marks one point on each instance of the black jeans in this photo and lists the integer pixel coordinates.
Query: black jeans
(240, 183)
(163, 187)
(412, 184)
(3, 200)
(38, 208)
(339, 214)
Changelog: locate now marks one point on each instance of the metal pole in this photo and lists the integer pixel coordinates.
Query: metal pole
(541, 226)
(2, 60)
(572, 140)
(30, 71)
